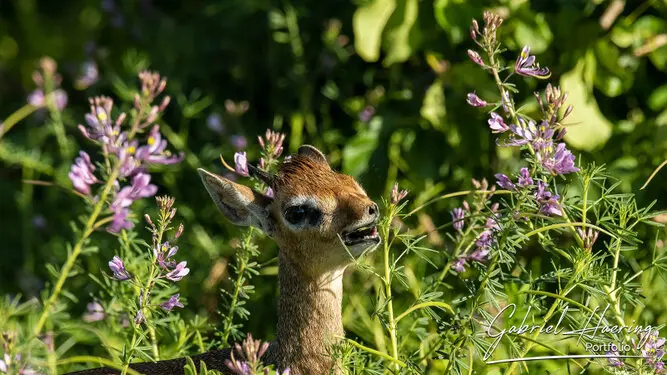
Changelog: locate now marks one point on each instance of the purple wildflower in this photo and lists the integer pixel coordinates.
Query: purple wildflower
(272, 143)
(396, 195)
(525, 133)
(479, 254)
(613, 359)
(179, 272)
(81, 173)
(504, 181)
(36, 98)
(269, 192)
(497, 124)
(475, 100)
(589, 237)
(89, 75)
(118, 268)
(98, 120)
(561, 161)
(485, 240)
(551, 207)
(526, 66)
(653, 350)
(524, 178)
(239, 142)
(214, 123)
(140, 188)
(459, 264)
(120, 220)
(139, 318)
(475, 57)
(164, 254)
(94, 313)
(155, 150)
(457, 218)
(171, 303)
(367, 113)
(241, 163)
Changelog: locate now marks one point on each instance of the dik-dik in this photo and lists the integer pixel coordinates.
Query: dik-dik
(320, 220)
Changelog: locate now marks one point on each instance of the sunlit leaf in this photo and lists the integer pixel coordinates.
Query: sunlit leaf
(368, 23)
(588, 129)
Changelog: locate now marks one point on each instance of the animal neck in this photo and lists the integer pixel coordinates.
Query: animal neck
(309, 318)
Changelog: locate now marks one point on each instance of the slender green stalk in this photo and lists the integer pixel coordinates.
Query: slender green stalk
(16, 117)
(238, 284)
(387, 288)
(76, 251)
(99, 360)
(396, 361)
(422, 305)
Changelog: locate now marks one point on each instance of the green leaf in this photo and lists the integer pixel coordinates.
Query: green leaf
(359, 149)
(589, 128)
(368, 23)
(401, 35)
(433, 108)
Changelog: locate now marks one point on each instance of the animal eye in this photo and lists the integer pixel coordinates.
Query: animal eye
(296, 214)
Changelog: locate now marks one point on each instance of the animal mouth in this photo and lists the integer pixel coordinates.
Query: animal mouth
(363, 234)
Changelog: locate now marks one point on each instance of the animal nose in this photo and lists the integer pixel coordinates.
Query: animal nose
(373, 209)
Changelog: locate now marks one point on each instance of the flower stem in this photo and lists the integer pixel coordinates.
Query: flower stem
(76, 251)
(16, 117)
(387, 289)
(243, 261)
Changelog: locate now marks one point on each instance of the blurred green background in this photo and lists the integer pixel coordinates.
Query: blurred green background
(379, 86)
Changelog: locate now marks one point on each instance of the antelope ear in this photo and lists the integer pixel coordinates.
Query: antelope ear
(311, 152)
(238, 203)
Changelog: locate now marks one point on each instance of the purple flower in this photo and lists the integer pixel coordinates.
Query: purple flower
(179, 272)
(457, 218)
(139, 318)
(653, 350)
(89, 75)
(479, 254)
(272, 143)
(497, 124)
(492, 223)
(129, 165)
(60, 99)
(551, 207)
(120, 220)
(475, 100)
(94, 313)
(526, 66)
(214, 123)
(118, 268)
(367, 113)
(241, 163)
(163, 256)
(485, 240)
(173, 302)
(613, 359)
(81, 173)
(140, 188)
(524, 177)
(504, 181)
(561, 161)
(397, 195)
(269, 192)
(475, 57)
(459, 264)
(156, 150)
(525, 133)
(239, 142)
(36, 98)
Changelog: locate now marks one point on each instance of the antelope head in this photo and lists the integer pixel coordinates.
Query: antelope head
(319, 218)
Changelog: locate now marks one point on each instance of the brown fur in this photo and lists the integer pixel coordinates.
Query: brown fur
(311, 260)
